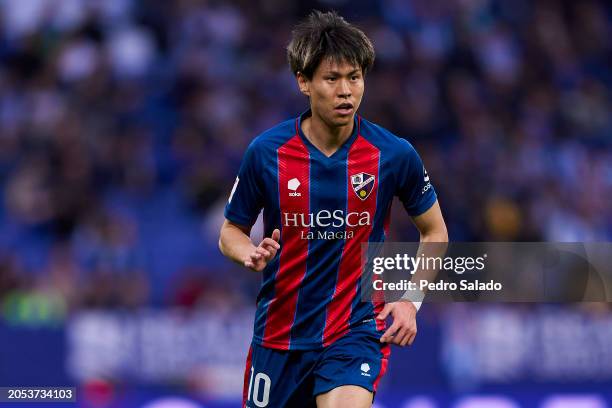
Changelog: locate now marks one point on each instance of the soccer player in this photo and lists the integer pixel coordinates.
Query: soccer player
(325, 181)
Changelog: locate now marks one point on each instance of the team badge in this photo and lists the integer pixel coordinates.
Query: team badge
(363, 184)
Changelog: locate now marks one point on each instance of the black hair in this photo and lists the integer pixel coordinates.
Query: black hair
(328, 35)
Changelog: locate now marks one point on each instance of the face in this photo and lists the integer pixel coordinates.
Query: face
(335, 91)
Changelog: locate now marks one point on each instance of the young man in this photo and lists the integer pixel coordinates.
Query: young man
(325, 181)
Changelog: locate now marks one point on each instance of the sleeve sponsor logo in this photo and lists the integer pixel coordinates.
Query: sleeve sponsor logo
(427, 185)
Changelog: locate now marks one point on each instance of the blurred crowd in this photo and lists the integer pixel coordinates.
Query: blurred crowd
(123, 123)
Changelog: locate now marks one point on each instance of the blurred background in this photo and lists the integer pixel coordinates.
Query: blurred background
(122, 127)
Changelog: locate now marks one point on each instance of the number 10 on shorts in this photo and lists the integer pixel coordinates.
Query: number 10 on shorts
(255, 385)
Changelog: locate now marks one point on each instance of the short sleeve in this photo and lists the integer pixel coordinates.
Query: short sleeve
(414, 188)
(246, 198)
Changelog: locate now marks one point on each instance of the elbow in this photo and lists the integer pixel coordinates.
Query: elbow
(220, 245)
(444, 234)
(439, 235)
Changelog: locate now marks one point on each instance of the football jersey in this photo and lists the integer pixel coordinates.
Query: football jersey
(325, 208)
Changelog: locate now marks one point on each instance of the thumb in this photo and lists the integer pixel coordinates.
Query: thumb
(385, 312)
(276, 235)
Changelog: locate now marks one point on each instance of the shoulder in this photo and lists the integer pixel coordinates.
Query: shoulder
(386, 141)
(271, 139)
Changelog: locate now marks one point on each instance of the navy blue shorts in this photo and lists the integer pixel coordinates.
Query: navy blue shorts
(278, 378)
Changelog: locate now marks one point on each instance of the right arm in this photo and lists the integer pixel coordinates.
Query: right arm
(235, 243)
(245, 202)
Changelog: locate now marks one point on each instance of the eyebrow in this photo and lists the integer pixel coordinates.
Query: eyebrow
(355, 71)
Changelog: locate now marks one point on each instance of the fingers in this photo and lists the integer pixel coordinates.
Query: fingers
(406, 337)
(270, 242)
(268, 248)
(385, 312)
(404, 328)
(254, 261)
(409, 337)
(399, 336)
(263, 252)
(402, 337)
(267, 251)
(387, 337)
(250, 264)
(412, 337)
(401, 333)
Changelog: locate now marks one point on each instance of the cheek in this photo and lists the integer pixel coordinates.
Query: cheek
(358, 94)
(324, 96)
(359, 89)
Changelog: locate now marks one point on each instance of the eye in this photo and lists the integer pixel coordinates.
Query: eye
(331, 79)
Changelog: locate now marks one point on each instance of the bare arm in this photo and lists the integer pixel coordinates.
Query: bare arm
(433, 231)
(235, 243)
(431, 225)
(432, 228)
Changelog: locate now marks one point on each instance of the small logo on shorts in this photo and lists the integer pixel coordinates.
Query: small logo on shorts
(365, 367)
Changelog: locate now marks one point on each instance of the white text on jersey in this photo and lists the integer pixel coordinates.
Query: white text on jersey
(326, 218)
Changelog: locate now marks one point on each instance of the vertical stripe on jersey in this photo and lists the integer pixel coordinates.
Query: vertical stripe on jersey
(362, 157)
(384, 362)
(323, 254)
(247, 378)
(293, 163)
(378, 305)
(378, 234)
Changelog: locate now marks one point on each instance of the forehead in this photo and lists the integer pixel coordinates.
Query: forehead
(328, 65)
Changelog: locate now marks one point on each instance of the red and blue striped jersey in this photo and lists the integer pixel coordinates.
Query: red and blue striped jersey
(325, 208)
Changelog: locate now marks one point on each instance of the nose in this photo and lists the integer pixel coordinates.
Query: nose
(344, 88)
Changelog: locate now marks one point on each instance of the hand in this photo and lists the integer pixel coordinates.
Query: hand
(263, 253)
(404, 328)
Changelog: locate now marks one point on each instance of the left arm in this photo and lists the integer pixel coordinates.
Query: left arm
(432, 228)
(431, 225)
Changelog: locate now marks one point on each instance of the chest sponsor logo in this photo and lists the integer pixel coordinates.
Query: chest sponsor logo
(293, 185)
(363, 184)
(327, 224)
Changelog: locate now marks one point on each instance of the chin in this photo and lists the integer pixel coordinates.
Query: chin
(343, 121)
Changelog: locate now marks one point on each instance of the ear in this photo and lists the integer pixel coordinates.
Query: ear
(303, 84)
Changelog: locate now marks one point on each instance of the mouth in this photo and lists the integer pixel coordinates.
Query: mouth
(345, 108)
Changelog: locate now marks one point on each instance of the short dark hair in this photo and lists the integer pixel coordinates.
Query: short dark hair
(327, 35)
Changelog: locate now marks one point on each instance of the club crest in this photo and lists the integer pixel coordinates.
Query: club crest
(363, 184)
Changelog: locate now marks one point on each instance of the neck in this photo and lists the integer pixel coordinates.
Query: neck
(327, 139)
